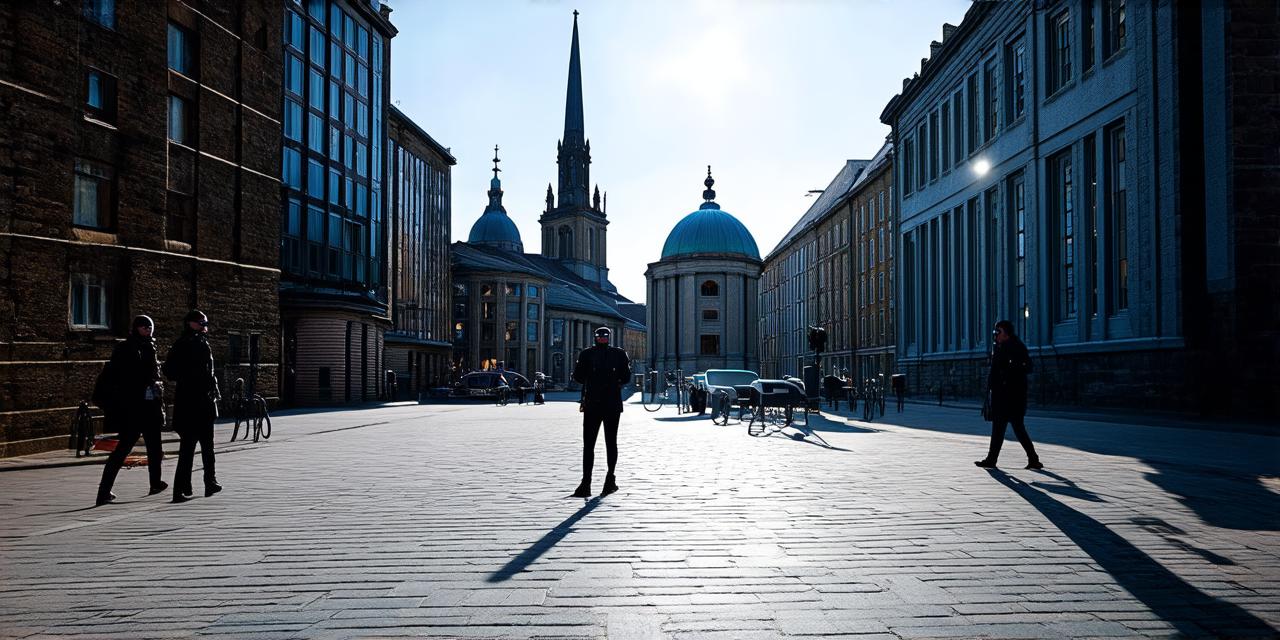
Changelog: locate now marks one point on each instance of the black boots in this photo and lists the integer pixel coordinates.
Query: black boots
(584, 489)
(105, 498)
(609, 485)
(158, 487)
(210, 489)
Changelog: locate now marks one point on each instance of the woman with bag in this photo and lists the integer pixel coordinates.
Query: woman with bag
(135, 406)
(1007, 395)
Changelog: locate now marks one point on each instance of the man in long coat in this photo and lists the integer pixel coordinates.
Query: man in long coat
(190, 364)
(1007, 386)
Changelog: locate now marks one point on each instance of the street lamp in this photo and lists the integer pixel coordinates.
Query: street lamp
(981, 167)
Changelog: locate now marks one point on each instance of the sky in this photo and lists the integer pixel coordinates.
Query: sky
(774, 95)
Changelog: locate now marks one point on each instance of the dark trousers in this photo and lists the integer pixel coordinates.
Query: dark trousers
(1020, 430)
(902, 401)
(202, 436)
(129, 438)
(591, 420)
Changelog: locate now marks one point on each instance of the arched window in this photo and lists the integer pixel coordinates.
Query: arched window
(710, 288)
(566, 242)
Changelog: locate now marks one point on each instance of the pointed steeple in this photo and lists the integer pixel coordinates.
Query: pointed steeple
(574, 129)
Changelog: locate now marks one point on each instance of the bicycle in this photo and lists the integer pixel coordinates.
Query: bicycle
(250, 409)
(651, 398)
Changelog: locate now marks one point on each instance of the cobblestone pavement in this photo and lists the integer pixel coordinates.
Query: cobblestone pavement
(455, 521)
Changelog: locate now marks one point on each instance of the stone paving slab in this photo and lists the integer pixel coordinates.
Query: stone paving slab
(455, 521)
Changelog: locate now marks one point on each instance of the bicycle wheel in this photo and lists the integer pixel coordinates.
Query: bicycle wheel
(720, 408)
(653, 400)
(257, 428)
(266, 422)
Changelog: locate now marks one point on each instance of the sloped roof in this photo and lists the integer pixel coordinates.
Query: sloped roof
(565, 290)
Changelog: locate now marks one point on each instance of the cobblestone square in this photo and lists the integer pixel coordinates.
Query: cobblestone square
(455, 521)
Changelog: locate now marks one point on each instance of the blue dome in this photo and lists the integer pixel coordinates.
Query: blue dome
(494, 227)
(710, 230)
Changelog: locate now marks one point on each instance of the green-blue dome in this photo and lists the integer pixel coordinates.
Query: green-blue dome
(710, 230)
(494, 228)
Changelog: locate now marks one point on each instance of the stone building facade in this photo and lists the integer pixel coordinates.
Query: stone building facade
(704, 294)
(1085, 169)
(418, 346)
(334, 288)
(825, 272)
(138, 176)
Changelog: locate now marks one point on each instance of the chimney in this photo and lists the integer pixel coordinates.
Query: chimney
(934, 47)
(947, 30)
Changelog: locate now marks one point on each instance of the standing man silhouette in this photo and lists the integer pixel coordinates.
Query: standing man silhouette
(602, 370)
(195, 406)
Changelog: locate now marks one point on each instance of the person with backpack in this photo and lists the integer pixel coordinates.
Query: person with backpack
(190, 364)
(1007, 400)
(130, 393)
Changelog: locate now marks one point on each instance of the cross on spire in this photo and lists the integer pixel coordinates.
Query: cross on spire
(495, 161)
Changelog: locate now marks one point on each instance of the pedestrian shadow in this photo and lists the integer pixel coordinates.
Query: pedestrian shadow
(688, 417)
(1222, 499)
(1170, 532)
(1065, 487)
(543, 545)
(1193, 612)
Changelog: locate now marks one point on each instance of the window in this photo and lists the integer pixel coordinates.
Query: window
(101, 12)
(181, 217)
(181, 130)
(1088, 36)
(533, 291)
(1091, 225)
(531, 311)
(88, 302)
(1017, 202)
(487, 311)
(511, 331)
(1118, 218)
(945, 147)
(957, 127)
(992, 100)
(92, 204)
(974, 131)
(459, 331)
(710, 288)
(317, 46)
(1061, 198)
(934, 156)
(711, 315)
(908, 160)
(1115, 26)
(293, 30)
(181, 58)
(290, 246)
(922, 154)
(709, 345)
(531, 332)
(100, 96)
(1059, 51)
(513, 309)
(1017, 80)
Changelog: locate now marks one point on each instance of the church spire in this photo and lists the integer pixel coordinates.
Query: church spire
(574, 130)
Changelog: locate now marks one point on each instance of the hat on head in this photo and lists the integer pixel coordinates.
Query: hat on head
(143, 321)
(195, 315)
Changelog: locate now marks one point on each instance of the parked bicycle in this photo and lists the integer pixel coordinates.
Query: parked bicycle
(250, 410)
(653, 399)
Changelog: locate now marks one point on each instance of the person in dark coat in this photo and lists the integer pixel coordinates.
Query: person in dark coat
(190, 364)
(136, 407)
(602, 370)
(1007, 386)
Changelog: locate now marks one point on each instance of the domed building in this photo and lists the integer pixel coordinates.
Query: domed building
(535, 312)
(703, 294)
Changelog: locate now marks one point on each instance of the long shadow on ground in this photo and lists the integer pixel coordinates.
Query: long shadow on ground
(1193, 612)
(543, 545)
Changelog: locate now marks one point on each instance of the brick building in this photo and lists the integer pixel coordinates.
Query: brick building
(137, 175)
(418, 345)
(870, 205)
(1100, 172)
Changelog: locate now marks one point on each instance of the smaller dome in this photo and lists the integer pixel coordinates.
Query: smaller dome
(710, 230)
(495, 228)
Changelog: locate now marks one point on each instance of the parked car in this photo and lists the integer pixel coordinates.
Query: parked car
(484, 384)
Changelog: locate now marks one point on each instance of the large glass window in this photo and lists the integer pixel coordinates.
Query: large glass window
(100, 95)
(315, 179)
(1118, 216)
(934, 156)
(1116, 30)
(531, 332)
(89, 308)
(179, 111)
(1091, 225)
(93, 194)
(102, 12)
(1088, 36)
(1017, 202)
(992, 120)
(974, 131)
(291, 168)
(1061, 197)
(1059, 51)
(710, 288)
(1017, 80)
(292, 120)
(181, 54)
(709, 345)
(294, 30)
